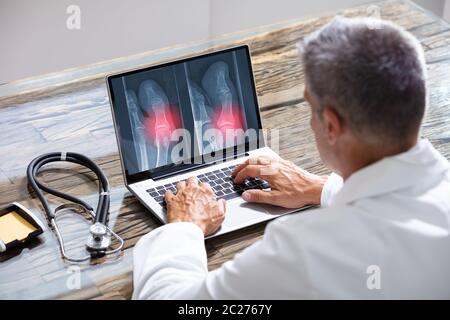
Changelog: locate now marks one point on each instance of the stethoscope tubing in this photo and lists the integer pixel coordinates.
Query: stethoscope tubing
(101, 214)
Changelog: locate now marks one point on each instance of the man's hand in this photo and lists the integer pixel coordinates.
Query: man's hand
(195, 202)
(291, 187)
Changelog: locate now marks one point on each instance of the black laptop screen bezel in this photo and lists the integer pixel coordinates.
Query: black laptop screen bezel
(176, 168)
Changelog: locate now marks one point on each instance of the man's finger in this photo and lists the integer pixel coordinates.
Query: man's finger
(223, 205)
(168, 196)
(262, 160)
(257, 196)
(250, 171)
(239, 167)
(205, 186)
(192, 180)
(181, 185)
(220, 220)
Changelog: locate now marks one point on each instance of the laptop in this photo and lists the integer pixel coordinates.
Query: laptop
(197, 116)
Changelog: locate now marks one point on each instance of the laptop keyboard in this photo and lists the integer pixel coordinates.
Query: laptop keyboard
(220, 181)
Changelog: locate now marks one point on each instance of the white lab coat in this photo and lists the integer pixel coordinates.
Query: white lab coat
(383, 234)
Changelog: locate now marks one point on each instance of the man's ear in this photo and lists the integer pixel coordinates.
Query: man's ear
(333, 125)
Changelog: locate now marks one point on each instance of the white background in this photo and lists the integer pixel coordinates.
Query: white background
(34, 38)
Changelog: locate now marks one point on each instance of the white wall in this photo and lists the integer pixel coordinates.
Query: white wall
(436, 6)
(34, 38)
(447, 10)
(232, 15)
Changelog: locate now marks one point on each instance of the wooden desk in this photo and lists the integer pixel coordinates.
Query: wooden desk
(69, 110)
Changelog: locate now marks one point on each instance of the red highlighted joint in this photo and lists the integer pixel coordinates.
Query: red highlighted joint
(161, 123)
(228, 119)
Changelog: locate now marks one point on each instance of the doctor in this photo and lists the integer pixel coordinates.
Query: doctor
(383, 229)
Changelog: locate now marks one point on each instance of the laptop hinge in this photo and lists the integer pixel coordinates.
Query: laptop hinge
(195, 167)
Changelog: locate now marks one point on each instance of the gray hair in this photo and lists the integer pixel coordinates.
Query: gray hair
(372, 72)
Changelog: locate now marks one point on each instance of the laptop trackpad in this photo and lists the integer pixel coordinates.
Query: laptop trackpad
(241, 214)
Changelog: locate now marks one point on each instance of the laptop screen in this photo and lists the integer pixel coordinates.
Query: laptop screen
(185, 113)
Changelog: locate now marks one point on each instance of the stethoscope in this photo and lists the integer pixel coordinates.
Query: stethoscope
(99, 240)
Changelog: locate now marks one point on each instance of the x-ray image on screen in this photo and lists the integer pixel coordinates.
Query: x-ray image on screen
(143, 149)
(153, 118)
(210, 97)
(161, 119)
(203, 116)
(216, 108)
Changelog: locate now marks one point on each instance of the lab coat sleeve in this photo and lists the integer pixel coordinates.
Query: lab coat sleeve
(170, 263)
(272, 268)
(330, 189)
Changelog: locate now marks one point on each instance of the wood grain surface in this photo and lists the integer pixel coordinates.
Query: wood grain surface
(69, 111)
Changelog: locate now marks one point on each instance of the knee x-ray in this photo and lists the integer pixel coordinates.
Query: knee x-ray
(211, 98)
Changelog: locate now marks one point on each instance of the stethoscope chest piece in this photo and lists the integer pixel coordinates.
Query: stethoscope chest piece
(99, 238)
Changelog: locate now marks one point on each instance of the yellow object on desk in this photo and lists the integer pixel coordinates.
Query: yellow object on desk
(14, 227)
